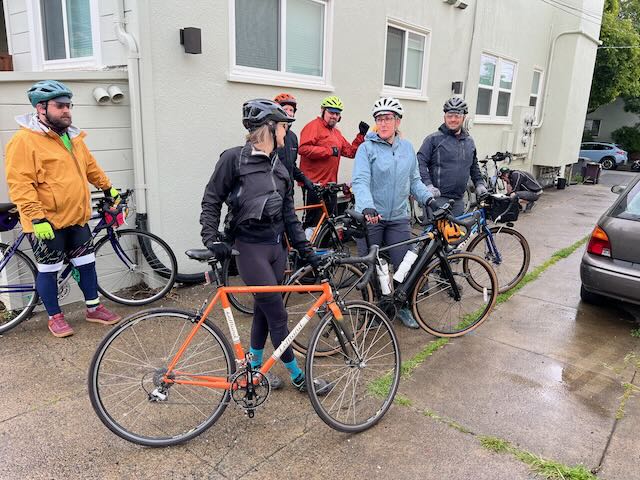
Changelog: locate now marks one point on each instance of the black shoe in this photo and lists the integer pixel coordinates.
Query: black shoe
(275, 381)
(322, 387)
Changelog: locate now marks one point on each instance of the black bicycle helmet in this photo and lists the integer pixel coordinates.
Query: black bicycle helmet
(260, 111)
(456, 105)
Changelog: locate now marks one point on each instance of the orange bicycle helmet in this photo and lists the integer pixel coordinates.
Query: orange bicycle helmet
(450, 231)
(287, 99)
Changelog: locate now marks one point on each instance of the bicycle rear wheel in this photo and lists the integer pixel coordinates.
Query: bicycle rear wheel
(434, 302)
(510, 258)
(364, 372)
(18, 295)
(328, 238)
(126, 375)
(344, 279)
(134, 267)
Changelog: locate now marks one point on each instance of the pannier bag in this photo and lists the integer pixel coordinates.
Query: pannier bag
(502, 209)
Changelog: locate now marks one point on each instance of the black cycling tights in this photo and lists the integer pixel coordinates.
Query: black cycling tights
(260, 264)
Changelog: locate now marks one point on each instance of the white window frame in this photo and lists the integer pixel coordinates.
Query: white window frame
(282, 78)
(93, 62)
(496, 89)
(402, 92)
(538, 94)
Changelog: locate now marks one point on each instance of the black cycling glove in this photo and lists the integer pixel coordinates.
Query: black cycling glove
(363, 127)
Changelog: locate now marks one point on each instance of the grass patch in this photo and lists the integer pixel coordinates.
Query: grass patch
(402, 400)
(545, 468)
(628, 392)
(449, 422)
(635, 333)
(536, 272)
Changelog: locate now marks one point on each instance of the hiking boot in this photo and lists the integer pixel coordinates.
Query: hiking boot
(102, 315)
(529, 207)
(405, 316)
(59, 327)
(322, 387)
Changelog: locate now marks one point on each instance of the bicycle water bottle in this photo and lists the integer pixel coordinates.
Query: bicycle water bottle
(408, 260)
(382, 269)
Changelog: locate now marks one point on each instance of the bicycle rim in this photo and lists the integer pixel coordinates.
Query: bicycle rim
(129, 365)
(344, 279)
(136, 268)
(364, 374)
(434, 301)
(510, 259)
(18, 295)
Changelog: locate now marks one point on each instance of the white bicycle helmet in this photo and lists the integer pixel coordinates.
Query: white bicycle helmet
(387, 105)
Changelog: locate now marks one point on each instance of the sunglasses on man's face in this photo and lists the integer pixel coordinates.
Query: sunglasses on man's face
(61, 105)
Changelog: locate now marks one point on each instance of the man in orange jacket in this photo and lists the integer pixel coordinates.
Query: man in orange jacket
(321, 145)
(47, 166)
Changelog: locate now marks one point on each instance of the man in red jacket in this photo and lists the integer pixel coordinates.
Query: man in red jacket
(321, 145)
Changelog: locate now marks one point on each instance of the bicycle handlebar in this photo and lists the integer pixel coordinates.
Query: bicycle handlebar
(369, 260)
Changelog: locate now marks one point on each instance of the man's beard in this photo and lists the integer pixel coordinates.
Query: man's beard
(58, 126)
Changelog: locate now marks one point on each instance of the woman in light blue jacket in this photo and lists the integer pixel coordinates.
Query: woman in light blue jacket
(385, 174)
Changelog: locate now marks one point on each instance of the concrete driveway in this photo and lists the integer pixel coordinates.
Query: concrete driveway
(545, 373)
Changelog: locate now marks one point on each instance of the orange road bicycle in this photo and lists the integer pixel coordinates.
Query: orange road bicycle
(163, 376)
(328, 232)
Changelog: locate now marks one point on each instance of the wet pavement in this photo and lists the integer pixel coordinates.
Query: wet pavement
(545, 373)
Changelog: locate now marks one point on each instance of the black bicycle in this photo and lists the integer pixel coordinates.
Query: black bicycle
(450, 294)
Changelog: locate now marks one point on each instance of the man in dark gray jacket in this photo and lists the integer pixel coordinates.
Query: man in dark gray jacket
(447, 158)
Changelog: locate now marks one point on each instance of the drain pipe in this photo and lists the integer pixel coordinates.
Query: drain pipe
(133, 69)
(549, 64)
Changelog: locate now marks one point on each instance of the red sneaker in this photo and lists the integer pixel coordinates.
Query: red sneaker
(59, 327)
(103, 315)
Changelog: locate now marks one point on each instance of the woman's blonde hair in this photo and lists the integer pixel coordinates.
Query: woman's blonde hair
(260, 135)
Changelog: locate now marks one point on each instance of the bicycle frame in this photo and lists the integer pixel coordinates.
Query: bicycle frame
(240, 355)
(481, 226)
(323, 217)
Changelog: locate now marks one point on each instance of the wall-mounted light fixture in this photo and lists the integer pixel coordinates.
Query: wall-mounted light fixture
(456, 87)
(457, 3)
(191, 39)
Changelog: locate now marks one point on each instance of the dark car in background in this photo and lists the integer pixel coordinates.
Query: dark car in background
(610, 266)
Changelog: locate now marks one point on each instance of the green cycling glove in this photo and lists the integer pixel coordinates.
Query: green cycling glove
(43, 230)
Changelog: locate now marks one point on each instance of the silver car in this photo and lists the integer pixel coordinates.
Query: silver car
(611, 263)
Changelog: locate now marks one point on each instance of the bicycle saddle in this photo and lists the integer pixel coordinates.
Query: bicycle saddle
(7, 207)
(204, 254)
(484, 161)
(358, 217)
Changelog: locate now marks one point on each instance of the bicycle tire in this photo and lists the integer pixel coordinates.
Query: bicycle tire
(243, 302)
(15, 306)
(128, 365)
(508, 277)
(328, 238)
(150, 275)
(434, 305)
(369, 369)
(297, 304)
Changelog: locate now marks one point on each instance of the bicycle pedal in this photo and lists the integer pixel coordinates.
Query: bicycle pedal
(250, 413)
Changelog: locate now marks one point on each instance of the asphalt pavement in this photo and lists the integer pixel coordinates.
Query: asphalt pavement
(545, 373)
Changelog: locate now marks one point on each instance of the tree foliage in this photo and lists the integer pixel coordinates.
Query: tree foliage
(617, 70)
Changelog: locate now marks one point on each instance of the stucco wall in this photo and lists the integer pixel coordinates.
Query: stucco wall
(612, 116)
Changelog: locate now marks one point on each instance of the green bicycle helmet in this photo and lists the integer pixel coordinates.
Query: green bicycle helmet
(46, 90)
(504, 170)
(333, 103)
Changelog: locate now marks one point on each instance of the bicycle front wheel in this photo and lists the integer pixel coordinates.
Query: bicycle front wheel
(445, 310)
(125, 378)
(507, 250)
(363, 374)
(344, 279)
(18, 295)
(134, 267)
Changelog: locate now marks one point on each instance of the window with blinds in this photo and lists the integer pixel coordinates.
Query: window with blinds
(66, 29)
(281, 35)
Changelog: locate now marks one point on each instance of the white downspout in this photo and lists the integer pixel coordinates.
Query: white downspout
(133, 70)
(550, 62)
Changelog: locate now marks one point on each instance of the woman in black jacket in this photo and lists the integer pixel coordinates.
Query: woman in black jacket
(258, 191)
